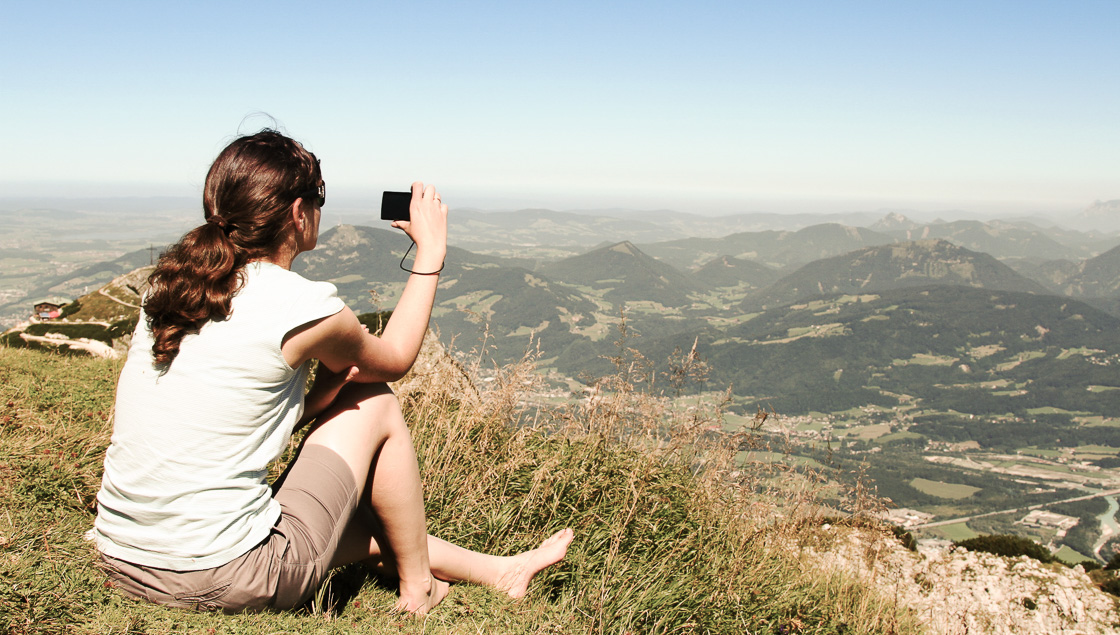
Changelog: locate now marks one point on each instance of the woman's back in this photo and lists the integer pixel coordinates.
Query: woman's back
(186, 488)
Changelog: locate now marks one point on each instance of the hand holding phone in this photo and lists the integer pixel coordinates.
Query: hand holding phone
(394, 206)
(423, 217)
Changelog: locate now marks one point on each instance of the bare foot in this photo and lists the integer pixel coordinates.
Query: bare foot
(419, 602)
(525, 566)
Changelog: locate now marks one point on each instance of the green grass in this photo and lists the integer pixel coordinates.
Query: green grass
(1019, 359)
(1098, 422)
(943, 490)
(1050, 410)
(898, 436)
(954, 532)
(869, 432)
(1042, 453)
(1096, 449)
(353, 277)
(1070, 352)
(660, 547)
(1071, 556)
(1053, 468)
(925, 359)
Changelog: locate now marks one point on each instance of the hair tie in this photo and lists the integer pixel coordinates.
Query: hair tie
(220, 222)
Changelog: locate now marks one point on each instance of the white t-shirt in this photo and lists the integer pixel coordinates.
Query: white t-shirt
(185, 485)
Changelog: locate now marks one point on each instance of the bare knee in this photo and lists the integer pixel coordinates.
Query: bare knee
(370, 407)
(379, 403)
(360, 421)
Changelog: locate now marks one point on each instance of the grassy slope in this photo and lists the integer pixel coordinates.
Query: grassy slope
(659, 548)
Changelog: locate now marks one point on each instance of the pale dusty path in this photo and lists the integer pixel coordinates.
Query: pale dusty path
(95, 348)
(117, 300)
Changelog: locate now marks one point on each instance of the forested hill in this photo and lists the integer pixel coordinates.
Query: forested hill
(845, 329)
(944, 347)
(895, 266)
(774, 248)
(623, 272)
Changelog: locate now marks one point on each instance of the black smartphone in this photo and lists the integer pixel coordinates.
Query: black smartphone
(394, 205)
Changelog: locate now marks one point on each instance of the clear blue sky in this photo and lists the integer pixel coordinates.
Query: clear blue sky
(719, 107)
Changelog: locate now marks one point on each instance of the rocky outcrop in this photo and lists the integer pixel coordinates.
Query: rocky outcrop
(956, 591)
(82, 344)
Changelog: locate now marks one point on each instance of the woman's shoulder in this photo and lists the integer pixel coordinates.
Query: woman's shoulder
(263, 276)
(287, 294)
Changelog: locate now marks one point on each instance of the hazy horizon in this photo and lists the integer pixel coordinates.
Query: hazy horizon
(351, 201)
(715, 107)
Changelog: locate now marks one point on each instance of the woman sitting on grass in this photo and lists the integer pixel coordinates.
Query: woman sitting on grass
(213, 389)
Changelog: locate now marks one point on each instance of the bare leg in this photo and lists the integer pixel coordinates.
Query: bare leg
(511, 574)
(366, 428)
(453, 563)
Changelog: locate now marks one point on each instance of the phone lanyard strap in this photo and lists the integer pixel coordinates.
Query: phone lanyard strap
(419, 273)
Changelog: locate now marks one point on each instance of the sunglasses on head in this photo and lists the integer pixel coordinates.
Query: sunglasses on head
(318, 195)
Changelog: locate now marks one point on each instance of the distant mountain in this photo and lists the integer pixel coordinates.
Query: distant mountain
(511, 307)
(477, 295)
(1082, 244)
(103, 204)
(999, 239)
(894, 222)
(473, 229)
(1052, 274)
(906, 325)
(728, 271)
(895, 266)
(542, 227)
(774, 248)
(1095, 280)
(358, 259)
(82, 280)
(1101, 216)
(624, 273)
(1097, 277)
(926, 341)
(349, 254)
(718, 225)
(36, 216)
(956, 348)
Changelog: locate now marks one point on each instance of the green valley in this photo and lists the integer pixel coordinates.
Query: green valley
(972, 391)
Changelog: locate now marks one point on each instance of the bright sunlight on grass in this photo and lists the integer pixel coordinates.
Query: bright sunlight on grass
(670, 535)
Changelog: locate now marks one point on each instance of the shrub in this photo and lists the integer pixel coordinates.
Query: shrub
(1113, 562)
(375, 321)
(905, 537)
(1008, 545)
(70, 309)
(72, 331)
(123, 328)
(1105, 580)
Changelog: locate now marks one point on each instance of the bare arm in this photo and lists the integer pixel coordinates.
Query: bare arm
(339, 341)
(323, 392)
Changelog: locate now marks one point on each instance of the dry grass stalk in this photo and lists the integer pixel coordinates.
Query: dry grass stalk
(673, 533)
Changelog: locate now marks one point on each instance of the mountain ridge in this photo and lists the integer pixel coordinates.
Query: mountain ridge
(892, 266)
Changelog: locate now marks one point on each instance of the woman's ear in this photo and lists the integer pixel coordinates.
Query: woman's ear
(297, 214)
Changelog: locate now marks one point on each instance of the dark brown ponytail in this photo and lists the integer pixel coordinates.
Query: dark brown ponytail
(249, 191)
